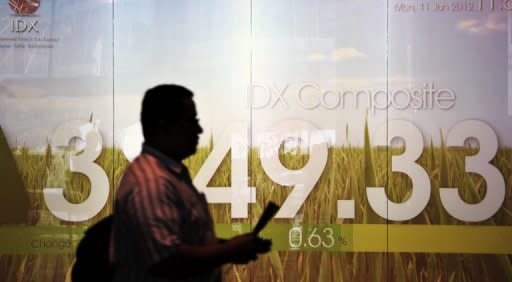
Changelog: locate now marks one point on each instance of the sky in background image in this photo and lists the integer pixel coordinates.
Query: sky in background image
(103, 64)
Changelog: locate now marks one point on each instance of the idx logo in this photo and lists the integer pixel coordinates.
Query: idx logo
(24, 8)
(24, 26)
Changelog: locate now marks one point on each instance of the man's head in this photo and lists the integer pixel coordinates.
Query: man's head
(169, 120)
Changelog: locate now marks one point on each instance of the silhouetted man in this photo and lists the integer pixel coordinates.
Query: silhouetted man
(163, 230)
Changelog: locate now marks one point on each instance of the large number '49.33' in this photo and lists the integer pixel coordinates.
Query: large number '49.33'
(304, 180)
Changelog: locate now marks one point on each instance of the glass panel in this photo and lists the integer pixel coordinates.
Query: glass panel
(204, 46)
(448, 59)
(55, 91)
(315, 67)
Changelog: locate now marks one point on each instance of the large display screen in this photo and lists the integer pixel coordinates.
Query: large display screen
(383, 129)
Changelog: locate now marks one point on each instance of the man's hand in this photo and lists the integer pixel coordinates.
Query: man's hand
(245, 248)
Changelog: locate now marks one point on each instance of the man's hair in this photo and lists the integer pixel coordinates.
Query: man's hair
(163, 102)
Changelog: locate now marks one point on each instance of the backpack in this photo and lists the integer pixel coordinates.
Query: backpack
(92, 254)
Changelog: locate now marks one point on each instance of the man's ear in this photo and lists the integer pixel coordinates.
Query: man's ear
(166, 126)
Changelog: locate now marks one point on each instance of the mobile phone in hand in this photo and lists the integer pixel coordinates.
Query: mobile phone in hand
(269, 212)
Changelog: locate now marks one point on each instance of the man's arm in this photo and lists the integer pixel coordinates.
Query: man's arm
(187, 259)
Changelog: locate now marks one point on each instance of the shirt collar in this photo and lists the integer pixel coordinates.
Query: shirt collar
(175, 166)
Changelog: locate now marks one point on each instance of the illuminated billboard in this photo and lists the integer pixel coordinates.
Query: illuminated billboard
(382, 129)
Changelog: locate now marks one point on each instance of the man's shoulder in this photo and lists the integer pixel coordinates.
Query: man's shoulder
(145, 173)
(147, 168)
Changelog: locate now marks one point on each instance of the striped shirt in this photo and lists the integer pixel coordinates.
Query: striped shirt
(157, 208)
